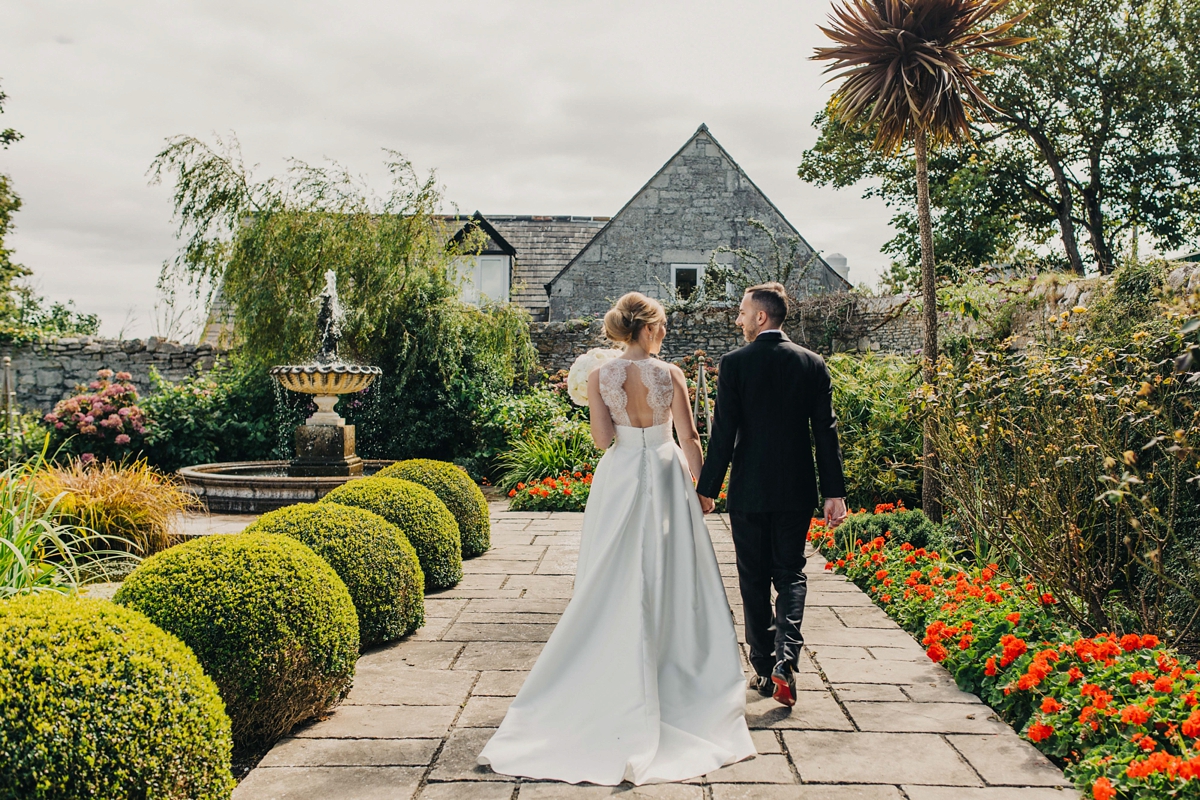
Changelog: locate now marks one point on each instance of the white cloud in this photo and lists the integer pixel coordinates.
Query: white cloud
(523, 107)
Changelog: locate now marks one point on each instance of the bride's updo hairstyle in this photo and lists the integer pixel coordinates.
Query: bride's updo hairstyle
(625, 321)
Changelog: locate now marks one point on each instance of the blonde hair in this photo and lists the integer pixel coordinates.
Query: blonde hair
(626, 320)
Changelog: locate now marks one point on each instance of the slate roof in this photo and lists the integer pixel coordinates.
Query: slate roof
(544, 246)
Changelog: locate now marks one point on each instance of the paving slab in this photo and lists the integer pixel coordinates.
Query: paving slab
(484, 712)
(500, 683)
(499, 655)
(322, 783)
(499, 632)
(457, 761)
(990, 793)
(843, 670)
(376, 685)
(382, 722)
(466, 790)
(352, 753)
(814, 791)
(760, 769)
(1005, 760)
(409, 653)
(909, 717)
(661, 791)
(858, 757)
(813, 711)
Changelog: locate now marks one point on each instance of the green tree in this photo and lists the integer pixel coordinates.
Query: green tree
(1096, 132)
(907, 70)
(267, 244)
(10, 203)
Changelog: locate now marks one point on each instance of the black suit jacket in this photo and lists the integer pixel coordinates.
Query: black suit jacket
(769, 393)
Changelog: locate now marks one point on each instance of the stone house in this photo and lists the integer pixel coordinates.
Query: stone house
(659, 243)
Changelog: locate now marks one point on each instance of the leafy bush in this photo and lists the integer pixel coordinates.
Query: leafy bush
(227, 414)
(1122, 712)
(1076, 459)
(38, 551)
(507, 417)
(458, 492)
(878, 428)
(420, 516)
(128, 505)
(103, 419)
(567, 492)
(548, 455)
(370, 555)
(270, 621)
(100, 703)
(897, 524)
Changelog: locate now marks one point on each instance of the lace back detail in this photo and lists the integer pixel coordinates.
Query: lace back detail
(655, 377)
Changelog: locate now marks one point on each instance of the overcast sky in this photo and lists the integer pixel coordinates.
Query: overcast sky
(562, 107)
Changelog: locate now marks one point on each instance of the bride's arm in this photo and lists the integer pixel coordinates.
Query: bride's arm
(685, 426)
(603, 429)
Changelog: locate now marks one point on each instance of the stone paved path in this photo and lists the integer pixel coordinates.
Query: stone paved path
(875, 720)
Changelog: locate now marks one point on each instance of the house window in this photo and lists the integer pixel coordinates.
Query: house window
(685, 278)
(484, 279)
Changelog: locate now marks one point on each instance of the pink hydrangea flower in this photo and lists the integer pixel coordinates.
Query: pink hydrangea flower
(124, 376)
(87, 458)
(122, 438)
(104, 374)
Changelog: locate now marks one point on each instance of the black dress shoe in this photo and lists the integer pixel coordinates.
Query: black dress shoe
(762, 684)
(785, 684)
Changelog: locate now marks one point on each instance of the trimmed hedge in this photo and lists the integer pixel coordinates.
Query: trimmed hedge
(270, 621)
(419, 515)
(1122, 712)
(455, 488)
(97, 702)
(372, 557)
(903, 525)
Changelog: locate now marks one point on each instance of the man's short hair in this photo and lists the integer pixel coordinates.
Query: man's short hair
(772, 299)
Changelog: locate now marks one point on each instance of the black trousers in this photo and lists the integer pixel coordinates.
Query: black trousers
(770, 550)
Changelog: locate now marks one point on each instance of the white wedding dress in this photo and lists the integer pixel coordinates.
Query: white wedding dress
(641, 680)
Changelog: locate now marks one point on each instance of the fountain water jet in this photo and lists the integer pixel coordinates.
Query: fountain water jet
(325, 444)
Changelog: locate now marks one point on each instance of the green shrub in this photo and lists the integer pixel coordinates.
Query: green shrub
(904, 526)
(460, 494)
(270, 621)
(97, 702)
(420, 516)
(371, 556)
(878, 428)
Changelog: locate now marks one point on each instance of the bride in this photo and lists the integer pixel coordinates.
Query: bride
(641, 680)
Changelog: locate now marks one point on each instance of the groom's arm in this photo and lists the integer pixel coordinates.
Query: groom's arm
(723, 434)
(825, 434)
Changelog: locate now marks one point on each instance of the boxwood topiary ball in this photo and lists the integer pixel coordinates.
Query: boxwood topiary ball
(455, 488)
(97, 702)
(371, 556)
(419, 515)
(270, 621)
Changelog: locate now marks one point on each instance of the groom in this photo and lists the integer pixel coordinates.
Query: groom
(769, 393)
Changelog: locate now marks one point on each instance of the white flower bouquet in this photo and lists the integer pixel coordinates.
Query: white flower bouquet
(578, 377)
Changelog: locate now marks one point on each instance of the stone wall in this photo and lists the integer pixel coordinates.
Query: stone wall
(47, 372)
(837, 323)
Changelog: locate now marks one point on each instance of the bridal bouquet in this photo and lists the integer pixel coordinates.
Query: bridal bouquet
(578, 377)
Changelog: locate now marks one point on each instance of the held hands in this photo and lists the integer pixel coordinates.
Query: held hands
(707, 504)
(835, 511)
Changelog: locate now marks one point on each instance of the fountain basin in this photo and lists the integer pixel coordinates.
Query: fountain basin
(326, 379)
(255, 487)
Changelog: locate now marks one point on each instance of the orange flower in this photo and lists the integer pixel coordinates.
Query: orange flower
(1014, 617)
(1135, 715)
(1050, 705)
(990, 668)
(965, 642)
(520, 486)
(512, 493)
(1039, 732)
(1149, 640)
(1130, 642)
(937, 653)
(1191, 725)
(1048, 599)
(1103, 789)
(828, 566)
(1164, 684)
(1074, 674)
(1140, 677)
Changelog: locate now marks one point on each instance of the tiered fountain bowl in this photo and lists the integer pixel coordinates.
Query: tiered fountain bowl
(325, 446)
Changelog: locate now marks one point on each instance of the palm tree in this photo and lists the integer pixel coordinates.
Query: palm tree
(907, 70)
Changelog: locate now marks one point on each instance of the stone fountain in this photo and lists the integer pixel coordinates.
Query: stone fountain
(325, 443)
(325, 454)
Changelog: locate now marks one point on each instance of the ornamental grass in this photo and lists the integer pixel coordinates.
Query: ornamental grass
(1119, 712)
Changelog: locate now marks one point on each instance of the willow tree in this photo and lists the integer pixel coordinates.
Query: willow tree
(908, 71)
